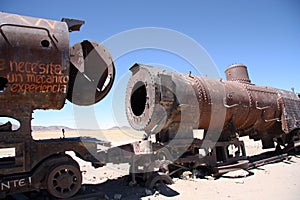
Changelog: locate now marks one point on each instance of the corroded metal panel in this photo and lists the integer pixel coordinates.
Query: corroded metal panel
(291, 114)
(237, 72)
(92, 73)
(34, 61)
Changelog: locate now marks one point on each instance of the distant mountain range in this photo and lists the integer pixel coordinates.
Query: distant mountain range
(59, 128)
(118, 127)
(49, 128)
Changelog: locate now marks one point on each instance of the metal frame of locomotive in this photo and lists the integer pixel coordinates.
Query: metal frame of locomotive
(173, 107)
(38, 70)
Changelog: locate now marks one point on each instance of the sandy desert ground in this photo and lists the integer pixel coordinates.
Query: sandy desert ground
(273, 181)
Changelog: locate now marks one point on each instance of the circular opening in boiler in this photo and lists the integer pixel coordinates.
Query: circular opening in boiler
(138, 98)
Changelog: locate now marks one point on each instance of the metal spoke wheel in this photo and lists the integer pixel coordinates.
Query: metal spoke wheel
(64, 180)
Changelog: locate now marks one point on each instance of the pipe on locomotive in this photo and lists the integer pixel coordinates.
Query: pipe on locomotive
(159, 101)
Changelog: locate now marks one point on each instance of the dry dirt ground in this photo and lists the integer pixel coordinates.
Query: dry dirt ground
(273, 181)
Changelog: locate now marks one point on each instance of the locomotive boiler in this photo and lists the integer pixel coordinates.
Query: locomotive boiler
(173, 106)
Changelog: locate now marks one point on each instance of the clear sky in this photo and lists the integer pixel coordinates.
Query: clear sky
(264, 35)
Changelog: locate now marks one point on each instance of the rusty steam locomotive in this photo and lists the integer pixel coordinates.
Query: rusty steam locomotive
(173, 106)
(190, 122)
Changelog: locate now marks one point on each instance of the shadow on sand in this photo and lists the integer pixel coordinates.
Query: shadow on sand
(111, 189)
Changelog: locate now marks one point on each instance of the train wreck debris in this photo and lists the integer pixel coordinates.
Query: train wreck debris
(39, 70)
(173, 106)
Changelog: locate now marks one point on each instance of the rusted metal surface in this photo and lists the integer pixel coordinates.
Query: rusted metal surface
(92, 73)
(291, 114)
(269, 159)
(35, 64)
(34, 59)
(237, 72)
(73, 24)
(159, 100)
(38, 71)
(242, 164)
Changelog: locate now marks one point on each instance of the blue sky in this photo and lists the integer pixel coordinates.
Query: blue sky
(264, 35)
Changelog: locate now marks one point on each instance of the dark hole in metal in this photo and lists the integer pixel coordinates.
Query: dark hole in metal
(45, 43)
(3, 82)
(138, 98)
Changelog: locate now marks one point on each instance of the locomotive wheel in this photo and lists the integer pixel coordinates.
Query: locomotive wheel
(158, 178)
(64, 180)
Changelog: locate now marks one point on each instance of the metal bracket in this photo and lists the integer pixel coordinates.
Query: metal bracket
(228, 106)
(270, 120)
(261, 108)
(73, 24)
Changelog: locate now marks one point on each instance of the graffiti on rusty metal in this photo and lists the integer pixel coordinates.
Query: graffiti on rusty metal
(36, 77)
(17, 183)
(32, 21)
(40, 21)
